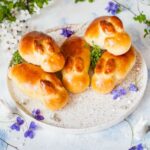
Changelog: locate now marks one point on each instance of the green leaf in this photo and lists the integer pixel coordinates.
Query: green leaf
(141, 18)
(76, 1)
(96, 53)
(119, 10)
(146, 32)
(16, 59)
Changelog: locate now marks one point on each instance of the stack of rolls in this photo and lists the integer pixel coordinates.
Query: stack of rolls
(43, 58)
(36, 77)
(111, 69)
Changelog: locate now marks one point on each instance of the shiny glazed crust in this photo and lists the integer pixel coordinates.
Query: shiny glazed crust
(108, 33)
(75, 72)
(40, 49)
(110, 70)
(37, 84)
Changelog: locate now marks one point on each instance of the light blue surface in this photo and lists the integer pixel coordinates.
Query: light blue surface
(118, 137)
(2, 136)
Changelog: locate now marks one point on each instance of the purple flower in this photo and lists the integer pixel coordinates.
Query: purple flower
(17, 124)
(112, 8)
(118, 92)
(133, 87)
(32, 126)
(66, 32)
(37, 114)
(138, 147)
(30, 132)
(20, 121)
(122, 91)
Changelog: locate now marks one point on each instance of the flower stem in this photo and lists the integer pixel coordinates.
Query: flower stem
(125, 7)
(132, 133)
(8, 144)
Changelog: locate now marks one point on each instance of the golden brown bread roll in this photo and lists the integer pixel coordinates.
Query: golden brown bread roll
(75, 72)
(40, 49)
(110, 70)
(37, 84)
(108, 33)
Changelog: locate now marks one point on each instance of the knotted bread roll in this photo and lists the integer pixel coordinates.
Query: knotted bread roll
(37, 84)
(108, 33)
(75, 72)
(40, 49)
(110, 70)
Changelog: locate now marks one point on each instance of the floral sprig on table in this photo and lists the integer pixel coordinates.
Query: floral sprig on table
(114, 7)
(30, 132)
(8, 8)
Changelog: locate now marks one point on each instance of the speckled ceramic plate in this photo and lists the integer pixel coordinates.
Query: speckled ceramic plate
(88, 111)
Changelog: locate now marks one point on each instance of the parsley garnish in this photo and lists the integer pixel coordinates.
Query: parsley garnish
(96, 53)
(16, 59)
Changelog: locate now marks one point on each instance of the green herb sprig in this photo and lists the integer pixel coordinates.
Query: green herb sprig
(96, 53)
(141, 18)
(16, 59)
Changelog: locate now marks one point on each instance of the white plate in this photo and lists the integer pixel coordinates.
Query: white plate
(88, 111)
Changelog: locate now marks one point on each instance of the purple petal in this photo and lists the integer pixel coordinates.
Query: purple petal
(122, 91)
(132, 148)
(112, 8)
(110, 4)
(140, 147)
(39, 117)
(67, 32)
(36, 112)
(15, 126)
(20, 121)
(113, 12)
(114, 92)
(115, 96)
(29, 133)
(133, 87)
(32, 126)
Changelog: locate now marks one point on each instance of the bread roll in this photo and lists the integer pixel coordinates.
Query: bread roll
(37, 84)
(40, 49)
(108, 33)
(110, 70)
(75, 72)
